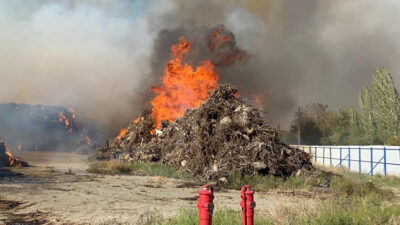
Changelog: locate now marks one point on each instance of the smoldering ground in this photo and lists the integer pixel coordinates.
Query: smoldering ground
(101, 57)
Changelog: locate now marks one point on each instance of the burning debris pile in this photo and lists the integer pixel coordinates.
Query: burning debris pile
(30, 127)
(7, 159)
(202, 127)
(221, 136)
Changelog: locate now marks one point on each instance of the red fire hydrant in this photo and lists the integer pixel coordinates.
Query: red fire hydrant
(206, 205)
(248, 204)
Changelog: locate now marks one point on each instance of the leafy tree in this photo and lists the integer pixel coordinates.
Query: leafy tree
(310, 133)
(386, 107)
(366, 120)
(346, 128)
(315, 123)
(323, 118)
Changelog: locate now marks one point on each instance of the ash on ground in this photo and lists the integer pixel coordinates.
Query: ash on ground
(222, 136)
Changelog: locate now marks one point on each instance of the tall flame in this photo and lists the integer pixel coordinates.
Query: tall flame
(182, 86)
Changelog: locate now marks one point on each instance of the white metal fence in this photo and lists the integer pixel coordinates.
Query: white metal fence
(372, 160)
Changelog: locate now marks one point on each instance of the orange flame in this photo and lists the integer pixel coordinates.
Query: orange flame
(136, 120)
(19, 147)
(63, 119)
(122, 132)
(72, 112)
(11, 158)
(182, 86)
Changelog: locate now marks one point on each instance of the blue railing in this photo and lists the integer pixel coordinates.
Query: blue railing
(369, 159)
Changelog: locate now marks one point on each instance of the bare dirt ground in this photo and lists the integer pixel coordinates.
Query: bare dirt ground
(56, 189)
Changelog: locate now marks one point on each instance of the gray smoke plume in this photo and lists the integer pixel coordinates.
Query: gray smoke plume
(88, 55)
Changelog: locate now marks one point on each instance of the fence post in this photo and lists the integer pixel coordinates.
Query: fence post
(315, 153)
(340, 157)
(384, 160)
(323, 156)
(349, 159)
(372, 162)
(359, 159)
(330, 155)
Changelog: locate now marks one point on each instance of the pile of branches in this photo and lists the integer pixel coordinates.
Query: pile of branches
(224, 135)
(30, 127)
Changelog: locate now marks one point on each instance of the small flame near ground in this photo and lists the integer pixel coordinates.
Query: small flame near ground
(183, 87)
(12, 161)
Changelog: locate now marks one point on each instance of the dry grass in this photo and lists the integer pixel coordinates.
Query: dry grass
(137, 168)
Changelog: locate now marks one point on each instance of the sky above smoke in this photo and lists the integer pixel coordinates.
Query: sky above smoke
(98, 57)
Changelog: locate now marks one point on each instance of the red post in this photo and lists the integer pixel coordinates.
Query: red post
(243, 203)
(248, 205)
(205, 205)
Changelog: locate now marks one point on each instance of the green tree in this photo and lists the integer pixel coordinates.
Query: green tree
(386, 108)
(367, 126)
(310, 133)
(346, 129)
(315, 123)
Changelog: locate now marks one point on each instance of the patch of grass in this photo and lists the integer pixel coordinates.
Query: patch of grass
(220, 217)
(378, 179)
(337, 184)
(343, 186)
(353, 211)
(137, 168)
(262, 183)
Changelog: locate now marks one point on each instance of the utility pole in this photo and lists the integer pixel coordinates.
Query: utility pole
(298, 113)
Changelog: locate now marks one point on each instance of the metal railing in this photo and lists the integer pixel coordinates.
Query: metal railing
(368, 159)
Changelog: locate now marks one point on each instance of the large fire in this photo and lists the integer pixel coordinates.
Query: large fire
(183, 87)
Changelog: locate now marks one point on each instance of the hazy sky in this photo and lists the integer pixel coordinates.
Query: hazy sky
(95, 55)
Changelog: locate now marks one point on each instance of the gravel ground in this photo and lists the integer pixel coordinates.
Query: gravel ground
(58, 190)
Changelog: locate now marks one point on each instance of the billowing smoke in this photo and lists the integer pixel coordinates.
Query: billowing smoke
(101, 57)
(300, 51)
(89, 56)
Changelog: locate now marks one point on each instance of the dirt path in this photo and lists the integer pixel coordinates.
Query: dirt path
(48, 193)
